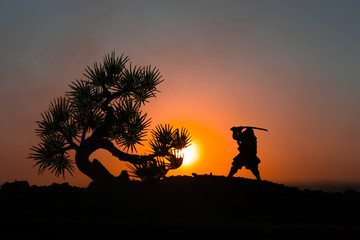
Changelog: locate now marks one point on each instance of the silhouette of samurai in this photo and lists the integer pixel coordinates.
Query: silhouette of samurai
(248, 149)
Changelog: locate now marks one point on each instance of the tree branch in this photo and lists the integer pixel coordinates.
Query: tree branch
(131, 158)
(68, 139)
(83, 135)
(65, 149)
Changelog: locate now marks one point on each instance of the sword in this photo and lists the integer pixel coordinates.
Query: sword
(262, 129)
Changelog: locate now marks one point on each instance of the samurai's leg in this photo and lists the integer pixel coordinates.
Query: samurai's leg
(256, 173)
(236, 165)
(233, 170)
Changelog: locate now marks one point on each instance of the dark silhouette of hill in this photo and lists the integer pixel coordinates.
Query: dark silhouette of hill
(202, 203)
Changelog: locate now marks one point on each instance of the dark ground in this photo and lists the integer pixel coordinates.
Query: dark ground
(204, 205)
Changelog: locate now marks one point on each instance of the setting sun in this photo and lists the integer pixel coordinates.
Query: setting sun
(191, 154)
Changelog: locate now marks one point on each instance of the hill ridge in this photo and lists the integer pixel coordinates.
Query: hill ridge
(193, 201)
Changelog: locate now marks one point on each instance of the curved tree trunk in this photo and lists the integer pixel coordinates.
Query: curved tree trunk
(94, 169)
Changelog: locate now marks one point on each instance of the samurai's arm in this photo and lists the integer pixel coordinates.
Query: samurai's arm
(237, 135)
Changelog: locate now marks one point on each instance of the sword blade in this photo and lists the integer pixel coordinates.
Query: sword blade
(263, 129)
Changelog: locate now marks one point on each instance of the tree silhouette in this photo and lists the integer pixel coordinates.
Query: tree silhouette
(166, 143)
(104, 112)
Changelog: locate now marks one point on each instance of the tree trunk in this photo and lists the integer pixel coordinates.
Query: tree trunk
(95, 170)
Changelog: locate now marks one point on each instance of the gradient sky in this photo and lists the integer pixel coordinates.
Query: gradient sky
(289, 66)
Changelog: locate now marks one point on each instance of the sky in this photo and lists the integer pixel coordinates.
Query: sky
(289, 66)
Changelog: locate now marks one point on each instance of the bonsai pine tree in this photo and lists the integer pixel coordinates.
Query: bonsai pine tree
(104, 112)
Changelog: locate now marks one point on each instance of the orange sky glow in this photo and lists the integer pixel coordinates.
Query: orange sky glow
(273, 65)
